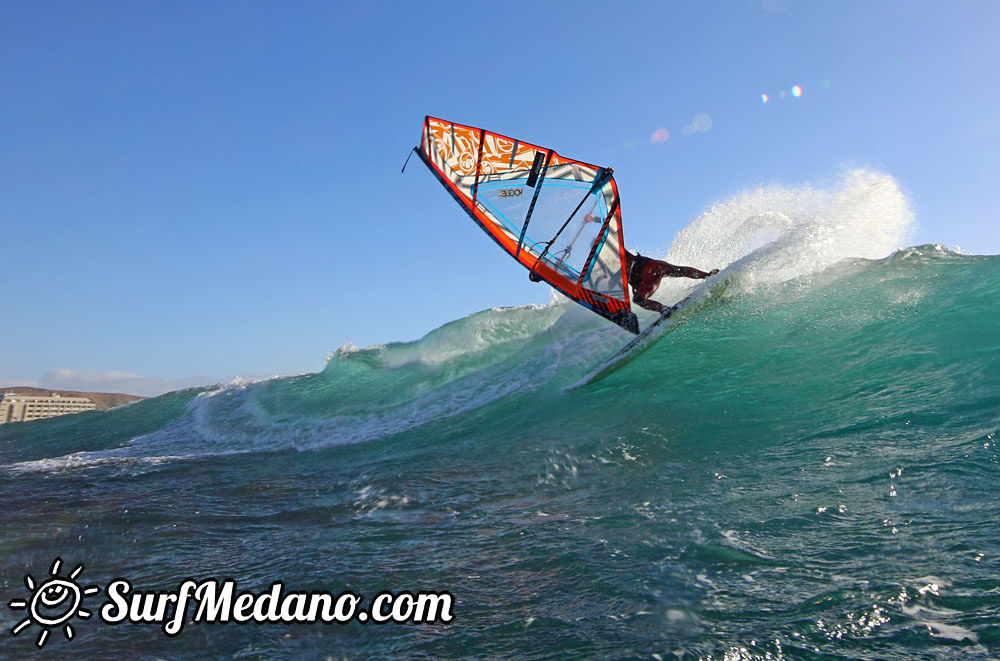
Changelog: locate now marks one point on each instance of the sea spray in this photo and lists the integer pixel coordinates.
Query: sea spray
(795, 231)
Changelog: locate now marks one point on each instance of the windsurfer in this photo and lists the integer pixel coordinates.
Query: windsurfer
(645, 273)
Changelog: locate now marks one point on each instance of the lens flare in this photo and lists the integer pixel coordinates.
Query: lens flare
(796, 91)
(764, 98)
(659, 135)
(701, 123)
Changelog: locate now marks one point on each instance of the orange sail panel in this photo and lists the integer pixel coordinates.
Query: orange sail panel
(558, 217)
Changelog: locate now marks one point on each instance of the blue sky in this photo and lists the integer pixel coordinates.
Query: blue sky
(199, 190)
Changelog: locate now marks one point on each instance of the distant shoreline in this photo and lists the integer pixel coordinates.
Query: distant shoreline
(102, 400)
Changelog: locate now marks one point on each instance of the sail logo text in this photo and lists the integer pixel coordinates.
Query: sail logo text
(509, 192)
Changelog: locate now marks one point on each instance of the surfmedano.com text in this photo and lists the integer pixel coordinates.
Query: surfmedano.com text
(219, 601)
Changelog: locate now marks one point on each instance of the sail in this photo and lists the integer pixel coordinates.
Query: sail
(558, 217)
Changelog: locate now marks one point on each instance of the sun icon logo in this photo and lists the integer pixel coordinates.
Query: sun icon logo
(53, 603)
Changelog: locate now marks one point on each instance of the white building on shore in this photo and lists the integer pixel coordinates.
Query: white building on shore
(21, 408)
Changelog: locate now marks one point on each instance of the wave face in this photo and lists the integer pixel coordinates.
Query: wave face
(807, 468)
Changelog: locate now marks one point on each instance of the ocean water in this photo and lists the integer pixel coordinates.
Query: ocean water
(805, 469)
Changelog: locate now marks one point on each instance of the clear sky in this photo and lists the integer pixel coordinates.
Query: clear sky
(211, 189)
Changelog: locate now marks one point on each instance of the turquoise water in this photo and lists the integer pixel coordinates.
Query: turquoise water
(806, 469)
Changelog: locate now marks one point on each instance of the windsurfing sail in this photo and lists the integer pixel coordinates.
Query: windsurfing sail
(559, 217)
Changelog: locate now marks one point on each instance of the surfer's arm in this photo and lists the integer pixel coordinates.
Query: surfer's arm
(689, 272)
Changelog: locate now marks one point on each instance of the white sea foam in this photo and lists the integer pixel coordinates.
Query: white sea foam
(109, 459)
(777, 233)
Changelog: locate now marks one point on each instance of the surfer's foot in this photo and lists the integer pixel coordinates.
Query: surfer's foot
(713, 271)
